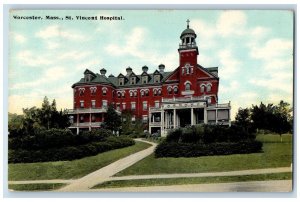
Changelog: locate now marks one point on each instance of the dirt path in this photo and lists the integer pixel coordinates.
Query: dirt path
(105, 173)
(252, 186)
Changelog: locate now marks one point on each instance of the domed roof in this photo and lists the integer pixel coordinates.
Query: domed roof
(188, 30)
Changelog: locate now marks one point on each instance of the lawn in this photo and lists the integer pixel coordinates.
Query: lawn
(69, 169)
(275, 154)
(195, 180)
(35, 187)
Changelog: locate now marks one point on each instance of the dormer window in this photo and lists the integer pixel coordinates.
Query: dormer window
(132, 80)
(145, 79)
(121, 81)
(156, 78)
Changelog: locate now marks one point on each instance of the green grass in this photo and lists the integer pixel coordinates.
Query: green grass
(196, 180)
(35, 187)
(275, 154)
(69, 169)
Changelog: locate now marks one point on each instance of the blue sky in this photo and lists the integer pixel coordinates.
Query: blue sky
(253, 50)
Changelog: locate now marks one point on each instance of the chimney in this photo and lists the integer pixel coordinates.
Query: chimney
(161, 68)
(145, 69)
(103, 71)
(128, 70)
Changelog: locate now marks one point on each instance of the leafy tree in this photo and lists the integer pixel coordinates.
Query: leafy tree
(112, 119)
(243, 118)
(134, 129)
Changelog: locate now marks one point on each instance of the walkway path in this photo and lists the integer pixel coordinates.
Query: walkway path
(251, 186)
(105, 173)
(159, 176)
(214, 174)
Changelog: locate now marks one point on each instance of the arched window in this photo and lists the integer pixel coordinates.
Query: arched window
(155, 92)
(187, 86)
(170, 90)
(159, 92)
(208, 87)
(202, 88)
(175, 90)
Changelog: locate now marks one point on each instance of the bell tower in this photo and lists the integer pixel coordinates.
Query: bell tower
(188, 49)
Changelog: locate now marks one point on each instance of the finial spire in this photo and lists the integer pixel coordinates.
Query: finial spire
(188, 21)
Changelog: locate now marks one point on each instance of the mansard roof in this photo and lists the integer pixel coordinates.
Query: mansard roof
(114, 81)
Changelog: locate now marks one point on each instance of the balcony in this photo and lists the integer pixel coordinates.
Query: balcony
(183, 99)
(86, 110)
(224, 105)
(85, 124)
(188, 45)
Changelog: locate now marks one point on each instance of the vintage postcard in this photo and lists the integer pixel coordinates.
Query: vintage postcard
(150, 100)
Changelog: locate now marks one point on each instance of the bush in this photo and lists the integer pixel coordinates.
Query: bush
(68, 153)
(209, 134)
(56, 138)
(174, 149)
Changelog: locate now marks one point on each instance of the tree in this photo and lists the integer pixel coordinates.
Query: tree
(112, 119)
(243, 118)
(276, 118)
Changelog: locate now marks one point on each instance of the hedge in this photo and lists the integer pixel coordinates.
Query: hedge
(68, 153)
(56, 138)
(175, 149)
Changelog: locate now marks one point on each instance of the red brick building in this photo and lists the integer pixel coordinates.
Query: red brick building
(163, 100)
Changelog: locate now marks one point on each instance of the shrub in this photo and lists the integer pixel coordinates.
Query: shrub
(68, 153)
(174, 135)
(174, 149)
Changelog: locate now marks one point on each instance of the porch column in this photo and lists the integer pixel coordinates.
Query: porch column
(174, 118)
(216, 116)
(90, 122)
(77, 120)
(149, 118)
(192, 116)
(162, 122)
(205, 115)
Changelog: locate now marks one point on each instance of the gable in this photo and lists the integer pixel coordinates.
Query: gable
(203, 73)
(173, 76)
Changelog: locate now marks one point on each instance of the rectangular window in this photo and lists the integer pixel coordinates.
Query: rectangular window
(81, 104)
(93, 103)
(156, 104)
(145, 119)
(133, 119)
(118, 106)
(133, 106)
(124, 106)
(104, 103)
(145, 105)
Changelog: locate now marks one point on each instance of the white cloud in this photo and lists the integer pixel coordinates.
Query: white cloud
(54, 31)
(259, 32)
(91, 64)
(233, 85)
(29, 58)
(19, 38)
(229, 65)
(273, 48)
(52, 45)
(50, 75)
(231, 23)
(74, 55)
